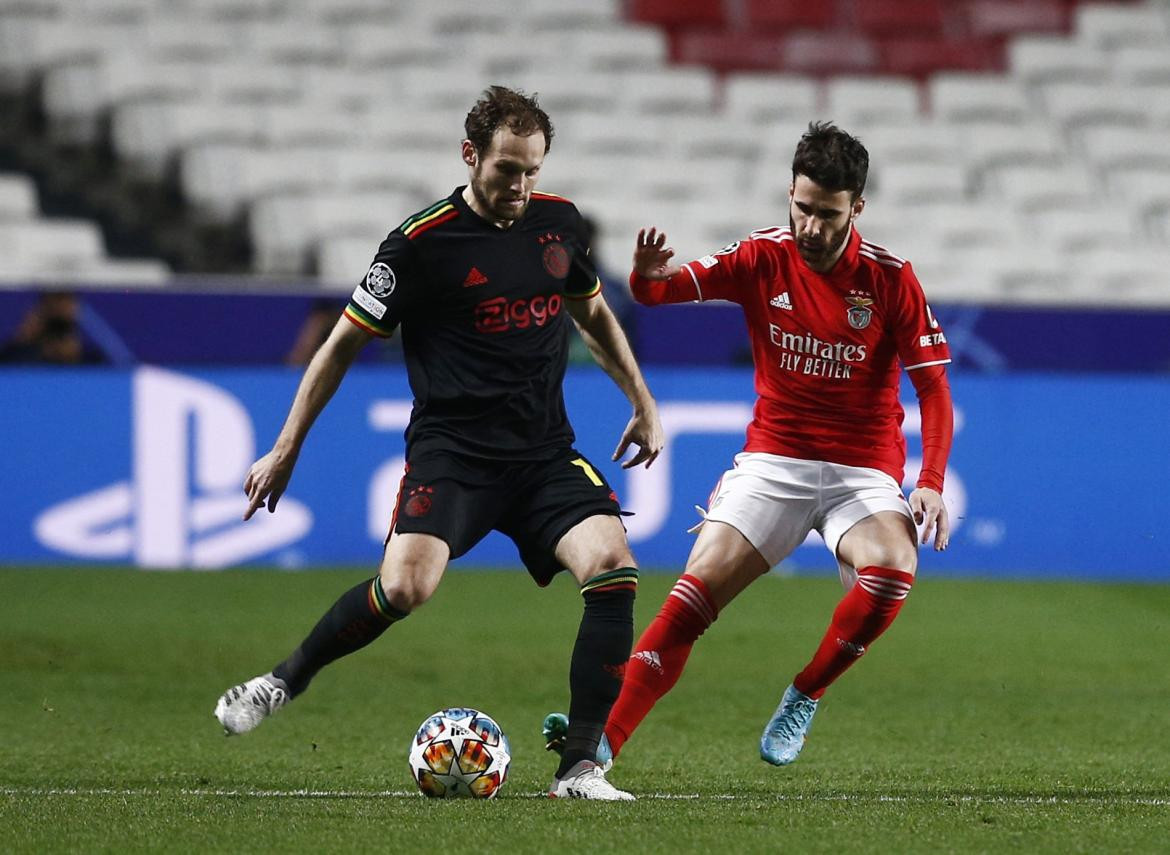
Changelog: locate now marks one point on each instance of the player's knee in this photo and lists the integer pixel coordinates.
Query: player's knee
(406, 592)
(606, 559)
(896, 557)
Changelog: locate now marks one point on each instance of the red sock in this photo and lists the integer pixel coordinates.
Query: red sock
(659, 656)
(862, 615)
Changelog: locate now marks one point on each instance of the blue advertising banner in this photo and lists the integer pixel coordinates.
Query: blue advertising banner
(219, 328)
(1050, 476)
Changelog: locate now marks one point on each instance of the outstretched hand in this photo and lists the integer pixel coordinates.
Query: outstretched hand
(645, 431)
(652, 255)
(930, 513)
(266, 481)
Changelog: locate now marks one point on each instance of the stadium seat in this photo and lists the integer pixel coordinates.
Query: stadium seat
(678, 13)
(1032, 186)
(872, 100)
(789, 15)
(1140, 64)
(1111, 25)
(913, 142)
(999, 18)
(179, 37)
(149, 133)
(918, 183)
(221, 178)
(1074, 229)
(1039, 59)
(901, 18)
(18, 197)
(285, 226)
(1126, 276)
(829, 53)
(730, 50)
(967, 97)
(1077, 106)
(920, 56)
(677, 90)
(288, 42)
(579, 16)
(566, 93)
(987, 145)
(1142, 188)
(78, 94)
(1112, 147)
(708, 137)
(49, 244)
(614, 49)
(767, 98)
(340, 261)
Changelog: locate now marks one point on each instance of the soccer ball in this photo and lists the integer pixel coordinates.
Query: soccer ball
(459, 752)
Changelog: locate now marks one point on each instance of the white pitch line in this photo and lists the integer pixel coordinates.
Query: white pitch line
(1076, 799)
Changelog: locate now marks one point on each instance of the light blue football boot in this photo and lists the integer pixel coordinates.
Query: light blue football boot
(784, 735)
(554, 729)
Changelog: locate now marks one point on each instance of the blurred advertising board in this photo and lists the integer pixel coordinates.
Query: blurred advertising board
(1050, 475)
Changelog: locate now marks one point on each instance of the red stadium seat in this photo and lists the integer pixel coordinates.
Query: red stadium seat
(728, 50)
(921, 57)
(679, 13)
(790, 15)
(900, 18)
(829, 53)
(1007, 17)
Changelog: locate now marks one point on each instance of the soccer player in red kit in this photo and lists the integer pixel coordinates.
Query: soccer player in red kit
(832, 319)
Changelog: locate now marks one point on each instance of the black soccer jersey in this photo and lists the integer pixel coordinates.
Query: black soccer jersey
(482, 311)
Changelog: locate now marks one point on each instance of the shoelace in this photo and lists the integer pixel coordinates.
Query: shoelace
(795, 719)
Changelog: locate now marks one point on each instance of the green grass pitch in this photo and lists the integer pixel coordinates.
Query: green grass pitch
(994, 716)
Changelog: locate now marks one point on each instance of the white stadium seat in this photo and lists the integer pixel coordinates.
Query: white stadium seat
(988, 145)
(684, 90)
(969, 96)
(1110, 25)
(764, 98)
(18, 197)
(1039, 59)
(916, 142)
(852, 101)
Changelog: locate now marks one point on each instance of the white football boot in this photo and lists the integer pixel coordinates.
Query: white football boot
(586, 780)
(241, 708)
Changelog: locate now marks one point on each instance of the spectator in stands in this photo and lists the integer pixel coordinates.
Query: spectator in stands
(314, 331)
(49, 333)
(616, 289)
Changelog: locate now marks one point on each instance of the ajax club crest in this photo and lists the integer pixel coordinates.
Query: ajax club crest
(859, 312)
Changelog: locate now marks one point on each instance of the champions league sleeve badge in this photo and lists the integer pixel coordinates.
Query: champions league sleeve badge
(380, 280)
(859, 312)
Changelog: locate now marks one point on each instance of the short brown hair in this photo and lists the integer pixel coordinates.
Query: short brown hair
(832, 158)
(500, 106)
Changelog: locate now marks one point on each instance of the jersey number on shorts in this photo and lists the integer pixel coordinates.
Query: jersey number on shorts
(588, 470)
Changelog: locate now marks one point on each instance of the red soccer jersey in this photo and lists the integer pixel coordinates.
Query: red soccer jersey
(826, 347)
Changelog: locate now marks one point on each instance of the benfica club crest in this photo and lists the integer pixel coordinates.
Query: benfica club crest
(859, 312)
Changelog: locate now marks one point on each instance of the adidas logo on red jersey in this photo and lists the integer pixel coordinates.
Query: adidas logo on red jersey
(474, 277)
(781, 301)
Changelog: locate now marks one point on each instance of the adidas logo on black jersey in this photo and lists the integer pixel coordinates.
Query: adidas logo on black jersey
(474, 277)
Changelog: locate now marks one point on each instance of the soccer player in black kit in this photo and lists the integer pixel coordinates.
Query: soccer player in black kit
(480, 284)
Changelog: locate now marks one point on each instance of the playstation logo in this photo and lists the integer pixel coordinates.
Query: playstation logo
(191, 447)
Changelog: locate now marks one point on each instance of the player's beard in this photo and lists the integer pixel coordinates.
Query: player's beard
(817, 258)
(500, 211)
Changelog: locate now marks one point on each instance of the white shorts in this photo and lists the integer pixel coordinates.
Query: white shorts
(776, 501)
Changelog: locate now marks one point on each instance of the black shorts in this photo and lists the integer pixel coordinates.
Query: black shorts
(461, 499)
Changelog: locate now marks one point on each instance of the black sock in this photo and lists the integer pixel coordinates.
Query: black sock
(599, 659)
(359, 616)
